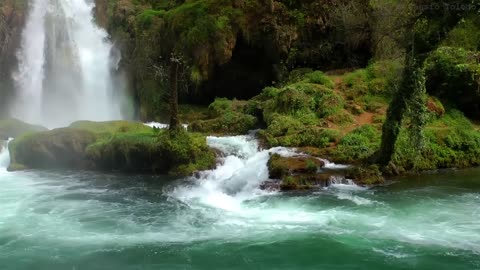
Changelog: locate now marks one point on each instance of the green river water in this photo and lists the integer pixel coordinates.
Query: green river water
(77, 221)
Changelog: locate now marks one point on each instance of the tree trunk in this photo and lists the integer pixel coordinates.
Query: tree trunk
(396, 110)
(174, 123)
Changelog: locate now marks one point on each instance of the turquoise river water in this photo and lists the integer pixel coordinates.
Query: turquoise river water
(83, 220)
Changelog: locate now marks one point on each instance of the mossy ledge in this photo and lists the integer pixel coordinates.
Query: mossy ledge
(113, 146)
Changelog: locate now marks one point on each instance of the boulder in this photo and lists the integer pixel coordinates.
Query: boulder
(297, 173)
(113, 146)
(59, 148)
(13, 128)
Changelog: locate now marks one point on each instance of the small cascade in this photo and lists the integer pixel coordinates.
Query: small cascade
(4, 155)
(339, 182)
(242, 171)
(161, 125)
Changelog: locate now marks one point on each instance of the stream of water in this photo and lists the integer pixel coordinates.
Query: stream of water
(67, 67)
(86, 220)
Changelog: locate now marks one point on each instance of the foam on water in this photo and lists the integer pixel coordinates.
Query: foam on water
(236, 180)
(4, 155)
(87, 212)
(161, 125)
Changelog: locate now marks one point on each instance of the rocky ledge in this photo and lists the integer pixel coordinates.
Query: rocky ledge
(112, 146)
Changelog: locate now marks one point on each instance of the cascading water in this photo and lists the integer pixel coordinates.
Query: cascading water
(222, 220)
(67, 67)
(237, 180)
(4, 155)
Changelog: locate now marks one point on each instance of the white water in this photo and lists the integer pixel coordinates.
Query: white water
(161, 125)
(67, 67)
(236, 180)
(69, 217)
(4, 156)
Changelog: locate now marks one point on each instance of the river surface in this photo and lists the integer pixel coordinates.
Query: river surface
(84, 220)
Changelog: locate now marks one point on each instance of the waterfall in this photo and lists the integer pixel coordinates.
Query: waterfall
(237, 179)
(4, 155)
(67, 67)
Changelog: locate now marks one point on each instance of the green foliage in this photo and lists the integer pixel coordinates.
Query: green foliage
(465, 35)
(453, 75)
(13, 128)
(226, 117)
(358, 145)
(111, 127)
(319, 77)
(220, 106)
(117, 145)
(290, 132)
(450, 141)
(177, 153)
(230, 122)
(144, 19)
(298, 75)
(366, 175)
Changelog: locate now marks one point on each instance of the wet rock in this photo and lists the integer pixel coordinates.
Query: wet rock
(113, 146)
(60, 148)
(366, 175)
(279, 166)
(298, 172)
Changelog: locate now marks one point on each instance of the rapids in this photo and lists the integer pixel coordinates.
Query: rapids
(222, 220)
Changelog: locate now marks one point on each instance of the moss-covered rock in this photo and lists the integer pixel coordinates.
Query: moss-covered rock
(297, 173)
(366, 175)
(178, 153)
(13, 128)
(451, 141)
(59, 148)
(227, 117)
(113, 146)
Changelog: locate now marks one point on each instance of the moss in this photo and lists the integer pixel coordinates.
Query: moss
(366, 175)
(118, 146)
(58, 148)
(451, 75)
(224, 105)
(379, 119)
(144, 19)
(191, 113)
(228, 123)
(358, 145)
(13, 128)
(319, 77)
(179, 153)
(465, 35)
(287, 131)
(451, 141)
(111, 127)
(296, 173)
(304, 101)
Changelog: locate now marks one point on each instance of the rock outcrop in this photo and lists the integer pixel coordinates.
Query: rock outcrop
(113, 146)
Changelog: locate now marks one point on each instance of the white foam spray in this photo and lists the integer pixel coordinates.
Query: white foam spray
(4, 155)
(66, 67)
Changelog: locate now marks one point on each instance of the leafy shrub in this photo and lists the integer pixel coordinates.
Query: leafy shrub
(319, 77)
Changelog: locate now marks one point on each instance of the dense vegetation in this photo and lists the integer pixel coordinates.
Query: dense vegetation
(391, 85)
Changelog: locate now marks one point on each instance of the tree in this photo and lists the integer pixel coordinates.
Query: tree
(175, 62)
(428, 24)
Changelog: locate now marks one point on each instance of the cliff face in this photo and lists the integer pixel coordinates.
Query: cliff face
(12, 18)
(231, 48)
